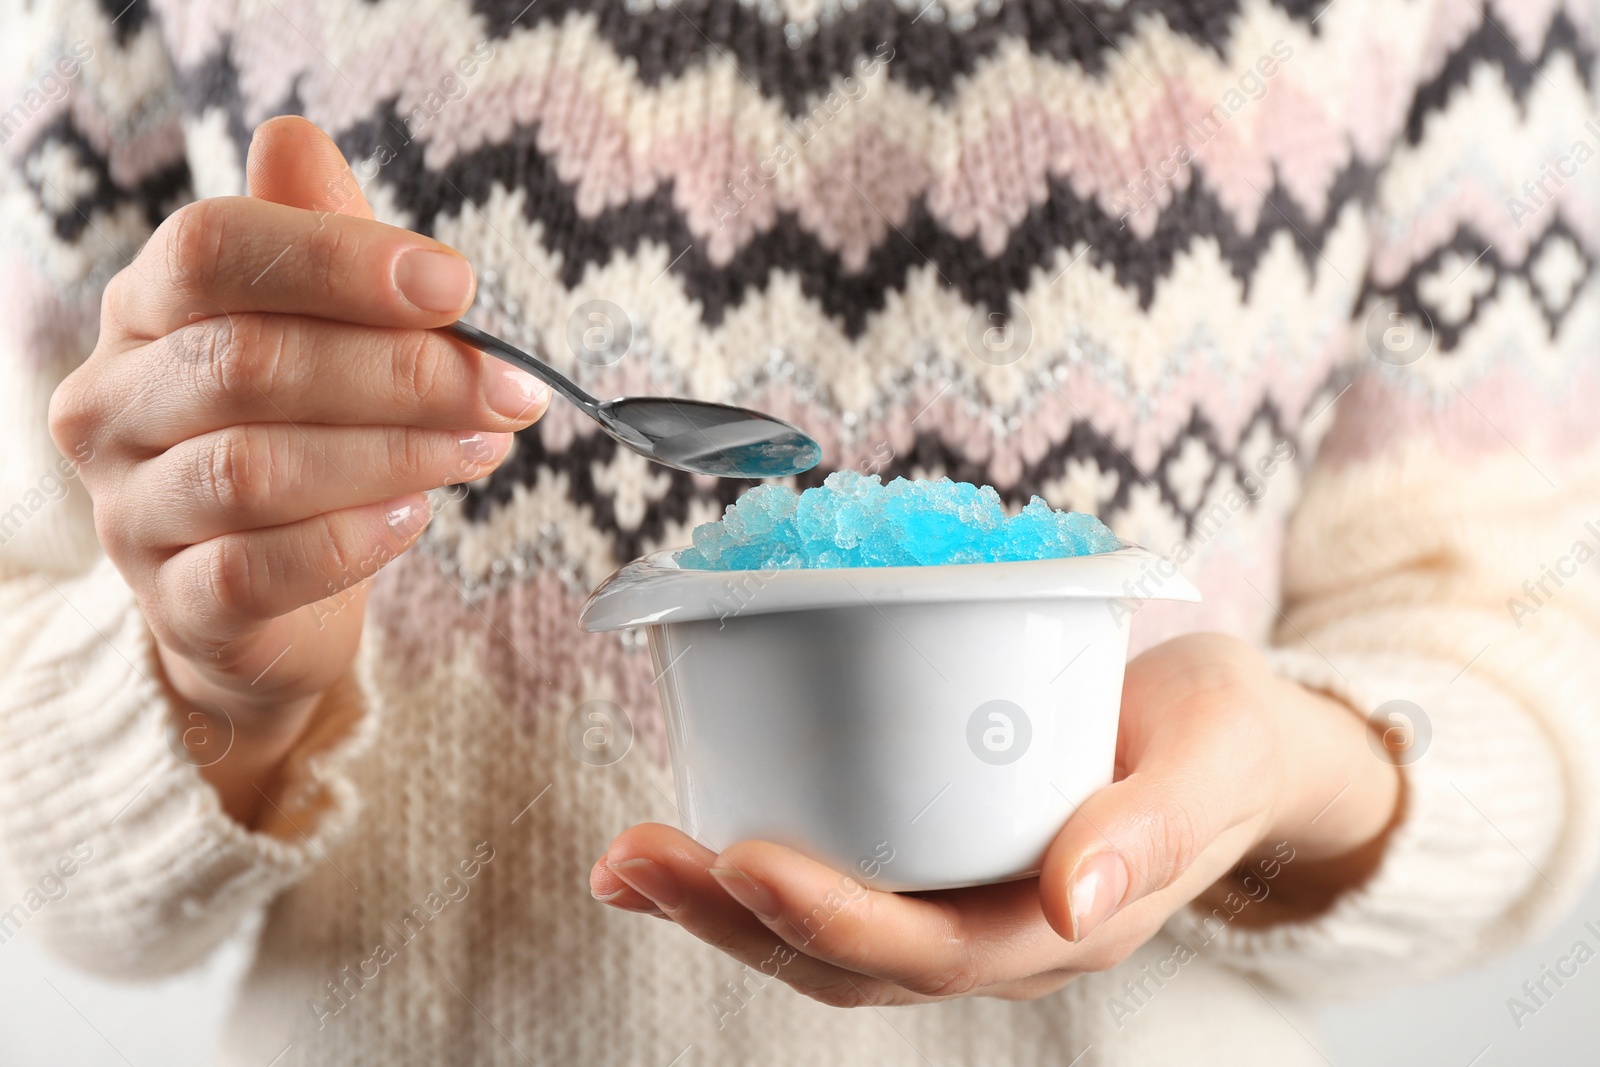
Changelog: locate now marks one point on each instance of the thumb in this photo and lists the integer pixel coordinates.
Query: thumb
(1128, 840)
(292, 162)
(1194, 803)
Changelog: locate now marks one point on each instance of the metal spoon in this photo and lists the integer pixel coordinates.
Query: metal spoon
(689, 435)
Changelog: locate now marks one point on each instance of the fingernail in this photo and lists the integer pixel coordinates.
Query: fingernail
(1095, 891)
(484, 449)
(404, 515)
(613, 900)
(749, 892)
(651, 879)
(512, 393)
(434, 281)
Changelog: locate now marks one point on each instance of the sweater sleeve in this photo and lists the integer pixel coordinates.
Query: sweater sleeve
(112, 846)
(1440, 568)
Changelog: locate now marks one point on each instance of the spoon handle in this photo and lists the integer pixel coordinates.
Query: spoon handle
(494, 346)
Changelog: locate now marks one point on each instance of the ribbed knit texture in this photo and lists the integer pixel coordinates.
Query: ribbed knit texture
(1187, 319)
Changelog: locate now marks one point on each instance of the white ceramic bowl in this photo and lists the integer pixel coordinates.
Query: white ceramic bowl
(917, 727)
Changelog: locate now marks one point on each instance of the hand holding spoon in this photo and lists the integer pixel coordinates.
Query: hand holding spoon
(689, 435)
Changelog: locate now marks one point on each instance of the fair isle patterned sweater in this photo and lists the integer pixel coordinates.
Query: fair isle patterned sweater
(1301, 294)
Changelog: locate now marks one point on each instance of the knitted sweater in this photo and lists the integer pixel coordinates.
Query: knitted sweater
(1301, 294)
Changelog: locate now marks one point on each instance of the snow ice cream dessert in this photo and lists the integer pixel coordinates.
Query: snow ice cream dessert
(854, 520)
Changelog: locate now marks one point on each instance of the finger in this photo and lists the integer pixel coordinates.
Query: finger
(940, 945)
(232, 255)
(608, 889)
(292, 162)
(665, 867)
(258, 475)
(1172, 826)
(226, 587)
(290, 368)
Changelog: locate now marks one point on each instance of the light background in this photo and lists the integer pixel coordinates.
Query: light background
(51, 1016)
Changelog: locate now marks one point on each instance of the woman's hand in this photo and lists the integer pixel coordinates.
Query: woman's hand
(265, 407)
(1219, 762)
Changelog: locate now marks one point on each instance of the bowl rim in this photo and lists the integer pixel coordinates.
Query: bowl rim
(654, 590)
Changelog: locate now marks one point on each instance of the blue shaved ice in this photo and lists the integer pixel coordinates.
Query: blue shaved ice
(854, 520)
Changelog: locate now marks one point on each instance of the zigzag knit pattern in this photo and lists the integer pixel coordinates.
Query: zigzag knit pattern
(1235, 275)
(935, 172)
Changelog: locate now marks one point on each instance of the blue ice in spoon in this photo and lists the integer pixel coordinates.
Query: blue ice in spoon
(854, 520)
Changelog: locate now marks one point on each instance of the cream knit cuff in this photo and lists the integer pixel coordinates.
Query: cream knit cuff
(92, 763)
(1483, 806)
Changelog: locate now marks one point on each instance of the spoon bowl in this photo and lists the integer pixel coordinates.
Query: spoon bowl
(705, 438)
(697, 436)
